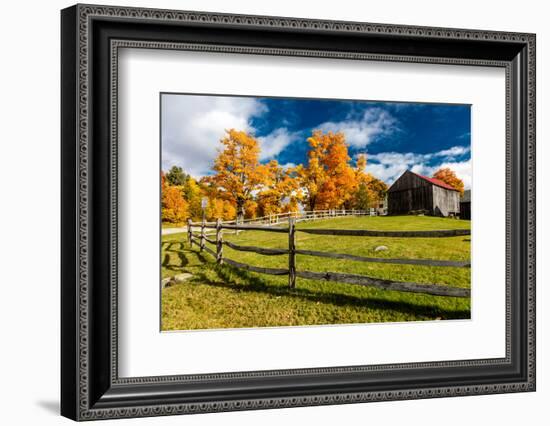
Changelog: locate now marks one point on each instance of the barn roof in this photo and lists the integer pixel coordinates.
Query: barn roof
(437, 182)
(433, 181)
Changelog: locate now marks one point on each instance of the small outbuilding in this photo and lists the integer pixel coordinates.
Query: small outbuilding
(412, 193)
(465, 205)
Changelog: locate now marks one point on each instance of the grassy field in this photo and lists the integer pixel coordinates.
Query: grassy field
(224, 297)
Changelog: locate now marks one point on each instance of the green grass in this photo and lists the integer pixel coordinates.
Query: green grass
(225, 297)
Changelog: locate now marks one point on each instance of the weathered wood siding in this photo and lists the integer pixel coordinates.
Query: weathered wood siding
(406, 181)
(410, 193)
(405, 201)
(445, 201)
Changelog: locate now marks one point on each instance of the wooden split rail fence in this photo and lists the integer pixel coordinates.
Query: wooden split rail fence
(202, 237)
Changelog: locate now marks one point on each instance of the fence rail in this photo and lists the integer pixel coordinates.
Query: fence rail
(434, 289)
(255, 228)
(391, 234)
(259, 250)
(270, 271)
(423, 262)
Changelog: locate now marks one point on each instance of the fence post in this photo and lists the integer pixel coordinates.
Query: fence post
(291, 253)
(219, 242)
(202, 235)
(189, 233)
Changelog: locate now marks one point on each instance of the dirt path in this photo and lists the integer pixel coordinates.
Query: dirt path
(170, 231)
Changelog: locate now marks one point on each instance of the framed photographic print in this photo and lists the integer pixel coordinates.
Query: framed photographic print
(263, 212)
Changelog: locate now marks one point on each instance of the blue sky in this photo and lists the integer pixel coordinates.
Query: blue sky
(395, 136)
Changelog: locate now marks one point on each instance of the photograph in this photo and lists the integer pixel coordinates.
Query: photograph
(272, 208)
(279, 211)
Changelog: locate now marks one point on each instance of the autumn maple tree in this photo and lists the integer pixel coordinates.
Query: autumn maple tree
(450, 178)
(238, 170)
(174, 207)
(328, 179)
(241, 186)
(280, 189)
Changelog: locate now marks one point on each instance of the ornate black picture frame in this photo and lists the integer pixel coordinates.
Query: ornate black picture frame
(91, 37)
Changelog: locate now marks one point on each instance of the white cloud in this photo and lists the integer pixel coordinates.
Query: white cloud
(463, 170)
(192, 127)
(287, 166)
(361, 131)
(455, 151)
(386, 172)
(272, 144)
(388, 166)
(407, 158)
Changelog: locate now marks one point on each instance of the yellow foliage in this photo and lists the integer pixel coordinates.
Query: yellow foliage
(243, 187)
(370, 191)
(450, 178)
(280, 186)
(174, 207)
(328, 179)
(229, 211)
(238, 169)
(250, 209)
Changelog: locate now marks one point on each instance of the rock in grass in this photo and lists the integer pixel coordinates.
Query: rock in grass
(182, 277)
(176, 279)
(167, 282)
(381, 248)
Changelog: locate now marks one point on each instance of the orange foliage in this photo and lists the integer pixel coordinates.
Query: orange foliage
(219, 208)
(450, 178)
(280, 189)
(229, 211)
(243, 187)
(328, 179)
(292, 206)
(250, 209)
(174, 207)
(238, 169)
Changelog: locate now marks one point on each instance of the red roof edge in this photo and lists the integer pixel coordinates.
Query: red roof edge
(437, 182)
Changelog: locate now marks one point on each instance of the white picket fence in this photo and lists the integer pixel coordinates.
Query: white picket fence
(306, 215)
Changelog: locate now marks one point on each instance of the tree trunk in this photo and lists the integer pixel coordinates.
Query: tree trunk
(240, 210)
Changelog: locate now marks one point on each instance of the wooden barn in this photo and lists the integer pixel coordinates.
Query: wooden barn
(412, 194)
(465, 205)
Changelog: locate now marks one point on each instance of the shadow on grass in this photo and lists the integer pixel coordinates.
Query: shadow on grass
(183, 253)
(169, 249)
(258, 285)
(224, 277)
